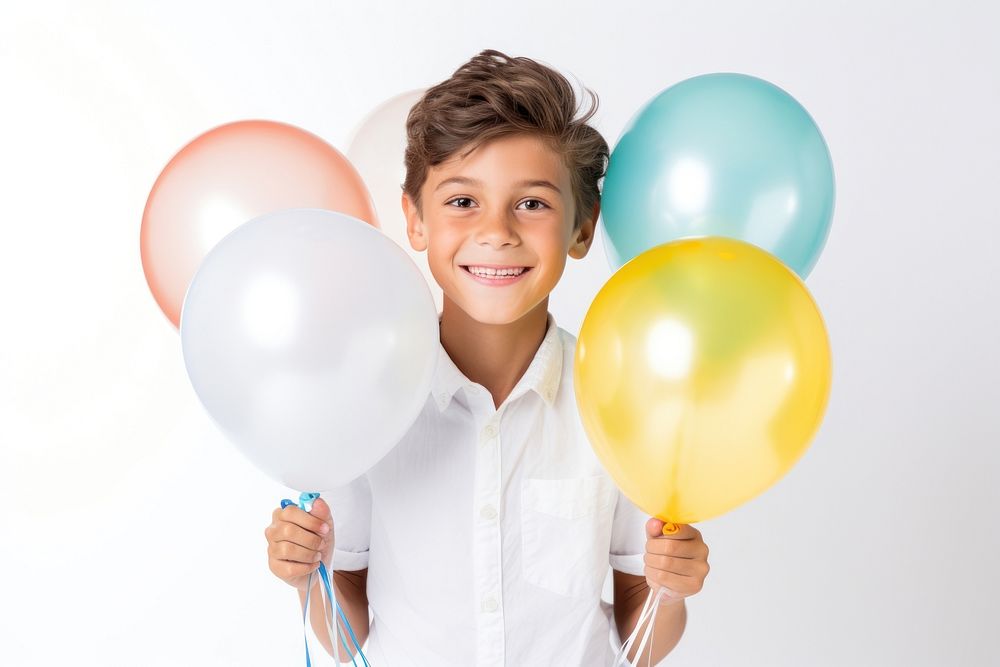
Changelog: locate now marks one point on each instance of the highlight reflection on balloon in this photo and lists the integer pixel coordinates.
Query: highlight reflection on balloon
(702, 373)
(227, 176)
(720, 155)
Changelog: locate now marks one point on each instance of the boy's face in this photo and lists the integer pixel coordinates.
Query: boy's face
(507, 204)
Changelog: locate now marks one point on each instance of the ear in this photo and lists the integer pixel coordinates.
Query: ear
(414, 225)
(584, 236)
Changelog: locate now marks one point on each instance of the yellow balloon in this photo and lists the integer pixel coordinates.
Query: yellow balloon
(702, 373)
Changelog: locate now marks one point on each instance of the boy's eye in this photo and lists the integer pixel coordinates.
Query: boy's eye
(461, 199)
(539, 205)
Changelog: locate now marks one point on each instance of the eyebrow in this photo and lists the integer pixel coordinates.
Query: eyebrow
(465, 180)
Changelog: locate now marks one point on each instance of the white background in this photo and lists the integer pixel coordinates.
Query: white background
(132, 533)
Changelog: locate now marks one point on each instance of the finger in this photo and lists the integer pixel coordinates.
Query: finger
(677, 583)
(677, 548)
(293, 552)
(687, 567)
(300, 517)
(289, 532)
(289, 569)
(654, 527)
(321, 510)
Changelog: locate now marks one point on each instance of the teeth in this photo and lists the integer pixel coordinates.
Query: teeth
(493, 273)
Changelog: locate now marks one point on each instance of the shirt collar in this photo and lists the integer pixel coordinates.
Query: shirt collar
(542, 376)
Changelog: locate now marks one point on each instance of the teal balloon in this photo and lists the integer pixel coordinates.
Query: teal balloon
(720, 155)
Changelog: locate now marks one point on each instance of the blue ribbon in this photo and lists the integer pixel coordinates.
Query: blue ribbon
(305, 503)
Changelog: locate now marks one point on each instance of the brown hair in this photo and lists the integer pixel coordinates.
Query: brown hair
(494, 95)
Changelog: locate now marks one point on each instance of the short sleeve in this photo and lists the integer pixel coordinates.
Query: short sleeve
(351, 508)
(628, 537)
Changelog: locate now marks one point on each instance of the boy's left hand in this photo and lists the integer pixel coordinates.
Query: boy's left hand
(678, 562)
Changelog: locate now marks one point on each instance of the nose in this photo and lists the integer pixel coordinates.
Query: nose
(497, 229)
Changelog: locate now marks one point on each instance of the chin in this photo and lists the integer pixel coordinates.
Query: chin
(487, 316)
(484, 314)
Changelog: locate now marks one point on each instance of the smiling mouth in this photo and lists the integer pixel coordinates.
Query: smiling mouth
(496, 276)
(496, 272)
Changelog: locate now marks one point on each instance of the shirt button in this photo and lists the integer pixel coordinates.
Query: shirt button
(490, 604)
(490, 430)
(488, 512)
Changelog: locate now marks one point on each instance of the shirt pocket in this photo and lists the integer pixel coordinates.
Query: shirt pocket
(566, 533)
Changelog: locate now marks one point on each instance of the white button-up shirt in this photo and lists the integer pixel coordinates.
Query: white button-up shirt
(488, 533)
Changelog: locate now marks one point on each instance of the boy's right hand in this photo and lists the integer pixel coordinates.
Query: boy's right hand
(297, 540)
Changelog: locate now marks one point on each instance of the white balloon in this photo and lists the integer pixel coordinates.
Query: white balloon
(311, 339)
(376, 150)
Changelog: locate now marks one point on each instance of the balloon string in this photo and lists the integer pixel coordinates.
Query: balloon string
(306, 499)
(648, 634)
(627, 644)
(305, 612)
(338, 635)
(305, 503)
(335, 625)
(343, 617)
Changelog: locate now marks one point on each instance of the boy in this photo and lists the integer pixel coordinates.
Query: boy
(484, 536)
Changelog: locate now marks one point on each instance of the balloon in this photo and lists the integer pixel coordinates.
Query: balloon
(311, 341)
(720, 155)
(376, 149)
(702, 373)
(227, 176)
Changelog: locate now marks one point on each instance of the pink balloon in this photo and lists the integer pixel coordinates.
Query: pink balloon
(227, 176)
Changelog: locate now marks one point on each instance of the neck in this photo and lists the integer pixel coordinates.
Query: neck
(493, 355)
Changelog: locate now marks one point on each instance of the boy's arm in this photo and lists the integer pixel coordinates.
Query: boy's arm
(630, 593)
(351, 589)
